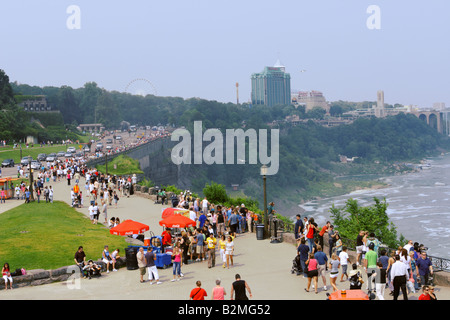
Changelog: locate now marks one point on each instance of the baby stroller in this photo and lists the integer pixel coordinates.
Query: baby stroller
(296, 266)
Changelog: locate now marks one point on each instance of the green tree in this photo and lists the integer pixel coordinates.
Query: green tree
(215, 193)
(352, 218)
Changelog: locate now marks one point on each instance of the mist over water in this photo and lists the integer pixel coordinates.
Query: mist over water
(418, 205)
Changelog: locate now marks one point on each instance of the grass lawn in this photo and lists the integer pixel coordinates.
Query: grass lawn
(124, 166)
(46, 236)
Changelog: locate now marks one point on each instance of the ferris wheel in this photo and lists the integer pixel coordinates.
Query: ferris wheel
(141, 87)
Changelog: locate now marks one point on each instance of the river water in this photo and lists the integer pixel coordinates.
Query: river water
(418, 205)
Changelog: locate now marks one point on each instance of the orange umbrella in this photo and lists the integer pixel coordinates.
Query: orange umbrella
(129, 227)
(177, 221)
(171, 211)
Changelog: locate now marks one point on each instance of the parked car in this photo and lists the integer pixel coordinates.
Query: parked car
(68, 155)
(8, 163)
(109, 141)
(26, 160)
(60, 154)
(118, 137)
(51, 157)
(99, 147)
(42, 156)
(71, 149)
(35, 165)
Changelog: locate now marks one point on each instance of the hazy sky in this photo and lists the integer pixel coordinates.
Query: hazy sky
(201, 48)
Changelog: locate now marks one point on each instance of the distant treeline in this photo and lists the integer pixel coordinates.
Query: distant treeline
(309, 152)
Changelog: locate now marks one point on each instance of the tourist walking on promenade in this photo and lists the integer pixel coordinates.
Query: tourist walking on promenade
(380, 280)
(222, 246)
(211, 245)
(152, 270)
(176, 255)
(344, 259)
(2, 195)
(370, 264)
(218, 292)
(322, 260)
(424, 268)
(198, 293)
(239, 288)
(334, 270)
(229, 251)
(399, 274)
(313, 272)
(50, 194)
(303, 252)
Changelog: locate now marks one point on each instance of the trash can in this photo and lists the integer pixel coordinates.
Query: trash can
(259, 232)
(130, 257)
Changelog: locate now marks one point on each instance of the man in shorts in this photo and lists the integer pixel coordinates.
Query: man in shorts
(142, 264)
(343, 258)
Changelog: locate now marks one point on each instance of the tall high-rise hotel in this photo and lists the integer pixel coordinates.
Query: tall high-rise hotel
(272, 86)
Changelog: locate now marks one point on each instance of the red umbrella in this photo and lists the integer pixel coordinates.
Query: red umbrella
(177, 221)
(129, 227)
(171, 211)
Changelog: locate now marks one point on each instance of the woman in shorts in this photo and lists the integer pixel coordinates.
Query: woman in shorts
(229, 250)
(313, 273)
(334, 270)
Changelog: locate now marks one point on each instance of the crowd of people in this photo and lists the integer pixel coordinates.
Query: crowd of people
(405, 269)
(213, 235)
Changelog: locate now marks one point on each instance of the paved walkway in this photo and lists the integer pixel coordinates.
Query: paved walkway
(266, 267)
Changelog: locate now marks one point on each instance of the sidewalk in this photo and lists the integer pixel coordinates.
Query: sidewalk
(266, 267)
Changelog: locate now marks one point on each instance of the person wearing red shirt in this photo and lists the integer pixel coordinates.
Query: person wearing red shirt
(166, 238)
(425, 295)
(322, 232)
(198, 293)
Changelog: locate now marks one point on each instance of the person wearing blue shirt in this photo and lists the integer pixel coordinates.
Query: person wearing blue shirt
(298, 227)
(322, 260)
(27, 196)
(233, 222)
(303, 252)
(202, 219)
(200, 251)
(424, 268)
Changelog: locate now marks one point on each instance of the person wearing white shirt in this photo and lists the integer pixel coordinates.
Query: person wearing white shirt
(192, 215)
(399, 273)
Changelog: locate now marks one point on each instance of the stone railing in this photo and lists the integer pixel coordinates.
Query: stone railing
(38, 277)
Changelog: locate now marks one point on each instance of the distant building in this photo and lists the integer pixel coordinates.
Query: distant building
(272, 86)
(310, 99)
(36, 104)
(379, 109)
(439, 106)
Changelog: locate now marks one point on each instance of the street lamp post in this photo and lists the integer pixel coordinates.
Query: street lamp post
(266, 222)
